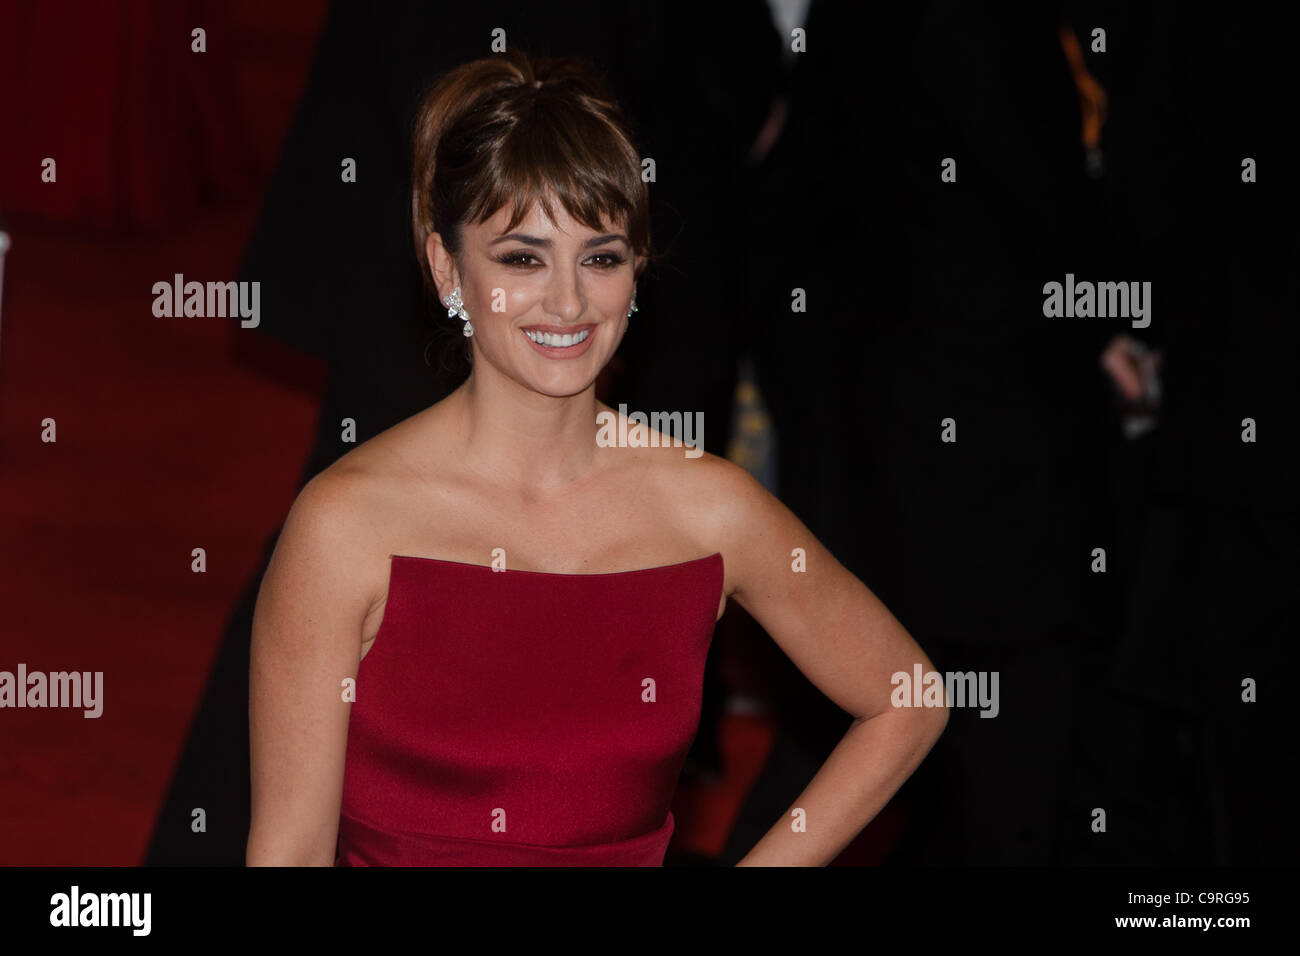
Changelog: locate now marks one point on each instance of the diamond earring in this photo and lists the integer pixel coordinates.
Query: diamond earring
(633, 309)
(456, 307)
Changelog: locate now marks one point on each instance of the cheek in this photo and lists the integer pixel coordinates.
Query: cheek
(520, 297)
(496, 298)
(509, 299)
(609, 295)
(614, 297)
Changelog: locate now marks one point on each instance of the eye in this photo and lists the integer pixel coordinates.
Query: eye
(517, 259)
(613, 259)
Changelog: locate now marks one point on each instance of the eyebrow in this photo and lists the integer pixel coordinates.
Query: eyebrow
(546, 243)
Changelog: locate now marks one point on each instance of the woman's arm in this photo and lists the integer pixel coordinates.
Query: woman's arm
(847, 644)
(306, 641)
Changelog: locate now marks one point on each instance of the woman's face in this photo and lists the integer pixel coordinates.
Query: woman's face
(548, 300)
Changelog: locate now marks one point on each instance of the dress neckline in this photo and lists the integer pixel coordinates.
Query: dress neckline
(561, 574)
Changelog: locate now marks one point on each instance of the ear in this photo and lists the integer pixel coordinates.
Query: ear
(442, 265)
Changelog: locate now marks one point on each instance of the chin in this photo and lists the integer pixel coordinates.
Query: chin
(563, 367)
(561, 384)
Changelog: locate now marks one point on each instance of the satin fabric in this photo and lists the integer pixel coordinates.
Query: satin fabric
(517, 718)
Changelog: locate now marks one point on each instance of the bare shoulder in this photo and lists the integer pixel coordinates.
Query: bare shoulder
(703, 486)
(341, 523)
(717, 503)
(353, 493)
(338, 505)
(712, 491)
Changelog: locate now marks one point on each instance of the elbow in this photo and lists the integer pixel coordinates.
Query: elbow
(928, 724)
(936, 718)
(941, 720)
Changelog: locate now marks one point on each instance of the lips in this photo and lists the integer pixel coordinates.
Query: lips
(556, 341)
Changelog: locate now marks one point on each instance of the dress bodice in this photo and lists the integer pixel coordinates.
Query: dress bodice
(525, 718)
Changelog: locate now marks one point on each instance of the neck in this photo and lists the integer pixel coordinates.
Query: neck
(519, 437)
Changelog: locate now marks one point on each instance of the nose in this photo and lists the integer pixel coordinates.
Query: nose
(564, 297)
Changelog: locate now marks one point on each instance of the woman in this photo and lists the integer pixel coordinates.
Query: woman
(482, 634)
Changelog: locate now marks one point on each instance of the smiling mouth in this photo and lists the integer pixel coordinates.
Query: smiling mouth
(555, 340)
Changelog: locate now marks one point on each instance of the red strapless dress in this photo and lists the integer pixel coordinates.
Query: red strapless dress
(521, 718)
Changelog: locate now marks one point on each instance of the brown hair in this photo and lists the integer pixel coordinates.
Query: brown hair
(514, 129)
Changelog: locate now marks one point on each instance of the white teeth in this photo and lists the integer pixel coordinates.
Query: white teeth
(552, 341)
